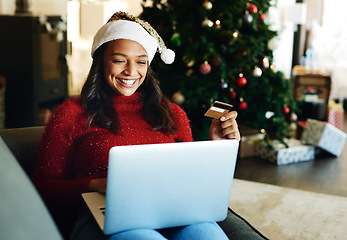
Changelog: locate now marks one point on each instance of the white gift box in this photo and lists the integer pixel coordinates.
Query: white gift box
(324, 135)
(280, 154)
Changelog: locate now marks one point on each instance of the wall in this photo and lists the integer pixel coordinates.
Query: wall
(46, 7)
(58, 7)
(134, 7)
(314, 13)
(50, 7)
(283, 51)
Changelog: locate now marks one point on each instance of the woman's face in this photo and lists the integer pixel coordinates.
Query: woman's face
(125, 65)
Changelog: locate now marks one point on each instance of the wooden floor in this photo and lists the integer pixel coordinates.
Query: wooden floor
(326, 174)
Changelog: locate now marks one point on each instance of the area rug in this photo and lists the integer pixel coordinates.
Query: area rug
(290, 214)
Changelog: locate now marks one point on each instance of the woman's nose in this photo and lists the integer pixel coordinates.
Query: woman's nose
(130, 69)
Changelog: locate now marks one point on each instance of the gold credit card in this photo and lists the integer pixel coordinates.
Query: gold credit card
(218, 109)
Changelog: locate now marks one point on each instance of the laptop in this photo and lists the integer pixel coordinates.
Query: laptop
(165, 185)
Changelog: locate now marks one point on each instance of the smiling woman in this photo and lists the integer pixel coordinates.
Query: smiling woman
(120, 104)
(125, 65)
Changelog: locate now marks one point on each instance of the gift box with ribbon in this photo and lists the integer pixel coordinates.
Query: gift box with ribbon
(324, 135)
(336, 114)
(294, 151)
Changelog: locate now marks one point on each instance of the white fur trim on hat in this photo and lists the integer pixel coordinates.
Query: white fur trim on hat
(138, 31)
(124, 29)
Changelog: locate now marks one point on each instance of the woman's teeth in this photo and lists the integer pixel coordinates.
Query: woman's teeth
(128, 82)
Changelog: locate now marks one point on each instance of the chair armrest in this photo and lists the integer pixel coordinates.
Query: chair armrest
(23, 213)
(23, 143)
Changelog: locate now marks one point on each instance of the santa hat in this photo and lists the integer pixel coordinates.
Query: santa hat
(124, 26)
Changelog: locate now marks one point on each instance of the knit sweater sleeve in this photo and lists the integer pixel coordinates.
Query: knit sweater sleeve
(53, 175)
(184, 132)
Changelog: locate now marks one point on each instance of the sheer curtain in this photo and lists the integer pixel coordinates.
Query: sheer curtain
(329, 41)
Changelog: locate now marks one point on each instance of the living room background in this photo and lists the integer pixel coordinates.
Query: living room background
(319, 27)
(327, 14)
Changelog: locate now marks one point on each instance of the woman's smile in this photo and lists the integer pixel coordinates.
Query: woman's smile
(129, 82)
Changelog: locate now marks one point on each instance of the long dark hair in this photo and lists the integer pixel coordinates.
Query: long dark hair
(96, 97)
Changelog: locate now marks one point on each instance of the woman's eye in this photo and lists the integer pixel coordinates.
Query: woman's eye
(142, 62)
(117, 61)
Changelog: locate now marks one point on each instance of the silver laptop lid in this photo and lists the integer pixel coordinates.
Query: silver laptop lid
(167, 185)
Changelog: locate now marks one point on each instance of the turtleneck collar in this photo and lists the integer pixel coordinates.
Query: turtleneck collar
(134, 98)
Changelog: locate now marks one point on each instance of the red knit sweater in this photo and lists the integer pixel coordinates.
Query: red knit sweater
(70, 154)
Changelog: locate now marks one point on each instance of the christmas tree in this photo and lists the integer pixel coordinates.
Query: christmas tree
(223, 52)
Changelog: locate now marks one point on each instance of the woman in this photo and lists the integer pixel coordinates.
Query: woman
(120, 104)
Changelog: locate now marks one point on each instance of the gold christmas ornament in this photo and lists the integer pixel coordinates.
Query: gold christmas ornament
(207, 5)
(207, 23)
(266, 62)
(178, 98)
(257, 72)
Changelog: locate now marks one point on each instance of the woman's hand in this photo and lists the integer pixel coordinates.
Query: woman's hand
(225, 128)
(98, 185)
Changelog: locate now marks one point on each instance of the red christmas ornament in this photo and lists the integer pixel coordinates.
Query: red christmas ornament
(285, 110)
(205, 68)
(252, 8)
(262, 17)
(242, 105)
(231, 94)
(215, 61)
(241, 82)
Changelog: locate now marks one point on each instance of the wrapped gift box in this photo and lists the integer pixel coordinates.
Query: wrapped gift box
(336, 114)
(280, 154)
(247, 144)
(324, 135)
(249, 137)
